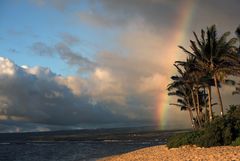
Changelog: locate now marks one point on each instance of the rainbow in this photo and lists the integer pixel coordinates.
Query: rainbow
(186, 11)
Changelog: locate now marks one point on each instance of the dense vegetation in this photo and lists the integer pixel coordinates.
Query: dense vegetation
(210, 62)
(221, 131)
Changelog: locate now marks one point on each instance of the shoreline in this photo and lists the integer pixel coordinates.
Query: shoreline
(161, 152)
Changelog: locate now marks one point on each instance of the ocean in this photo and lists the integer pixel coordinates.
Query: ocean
(77, 145)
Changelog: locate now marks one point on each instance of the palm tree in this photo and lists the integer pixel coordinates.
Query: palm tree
(215, 56)
(237, 91)
(183, 101)
(184, 79)
(209, 62)
(199, 80)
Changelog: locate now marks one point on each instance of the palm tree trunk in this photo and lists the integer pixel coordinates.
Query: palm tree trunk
(219, 95)
(210, 104)
(194, 104)
(190, 113)
(205, 104)
(198, 106)
(191, 117)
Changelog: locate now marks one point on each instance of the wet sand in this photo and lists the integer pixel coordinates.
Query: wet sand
(186, 153)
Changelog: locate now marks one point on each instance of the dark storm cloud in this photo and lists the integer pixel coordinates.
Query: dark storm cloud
(161, 15)
(114, 13)
(222, 13)
(24, 126)
(158, 14)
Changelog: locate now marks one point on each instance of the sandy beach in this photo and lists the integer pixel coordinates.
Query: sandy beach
(186, 153)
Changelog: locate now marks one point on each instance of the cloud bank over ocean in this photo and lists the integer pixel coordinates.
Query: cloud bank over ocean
(40, 98)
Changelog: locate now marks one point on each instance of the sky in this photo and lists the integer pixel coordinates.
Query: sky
(73, 64)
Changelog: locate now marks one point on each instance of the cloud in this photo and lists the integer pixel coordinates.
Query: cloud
(38, 96)
(34, 94)
(42, 49)
(65, 53)
(107, 87)
(141, 59)
(221, 13)
(153, 83)
(119, 13)
(160, 14)
(69, 39)
(60, 5)
(73, 58)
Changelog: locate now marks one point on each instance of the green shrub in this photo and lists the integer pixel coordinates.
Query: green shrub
(233, 116)
(227, 135)
(188, 138)
(221, 131)
(236, 142)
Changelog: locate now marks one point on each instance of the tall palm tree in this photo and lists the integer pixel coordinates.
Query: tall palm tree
(183, 79)
(199, 80)
(214, 55)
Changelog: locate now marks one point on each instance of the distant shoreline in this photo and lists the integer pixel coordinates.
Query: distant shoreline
(121, 134)
(161, 152)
